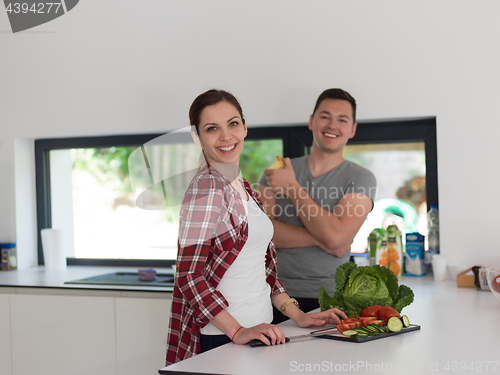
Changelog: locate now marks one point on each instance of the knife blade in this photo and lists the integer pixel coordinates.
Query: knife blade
(254, 343)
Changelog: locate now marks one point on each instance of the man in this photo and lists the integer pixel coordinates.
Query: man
(318, 202)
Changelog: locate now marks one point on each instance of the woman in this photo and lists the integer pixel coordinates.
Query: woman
(226, 281)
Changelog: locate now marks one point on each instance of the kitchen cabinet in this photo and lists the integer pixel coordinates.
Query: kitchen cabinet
(61, 334)
(141, 332)
(67, 331)
(50, 327)
(5, 353)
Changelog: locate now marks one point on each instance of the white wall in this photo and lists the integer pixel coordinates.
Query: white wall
(122, 66)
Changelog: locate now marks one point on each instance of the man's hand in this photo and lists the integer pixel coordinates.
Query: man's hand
(282, 180)
(336, 251)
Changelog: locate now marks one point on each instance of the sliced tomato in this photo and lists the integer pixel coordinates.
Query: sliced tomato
(367, 320)
(340, 328)
(350, 323)
(349, 320)
(346, 327)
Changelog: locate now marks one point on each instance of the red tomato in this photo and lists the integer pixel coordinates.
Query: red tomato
(349, 320)
(495, 284)
(341, 328)
(371, 311)
(387, 312)
(364, 320)
(346, 327)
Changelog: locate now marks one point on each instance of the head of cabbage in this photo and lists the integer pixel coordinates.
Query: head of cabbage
(361, 287)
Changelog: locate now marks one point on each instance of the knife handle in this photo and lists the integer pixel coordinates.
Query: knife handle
(256, 342)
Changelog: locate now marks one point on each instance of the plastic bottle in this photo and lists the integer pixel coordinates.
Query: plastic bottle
(433, 229)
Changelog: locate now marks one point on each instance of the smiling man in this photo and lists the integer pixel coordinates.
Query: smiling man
(318, 202)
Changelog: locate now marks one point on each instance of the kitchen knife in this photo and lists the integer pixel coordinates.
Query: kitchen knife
(256, 342)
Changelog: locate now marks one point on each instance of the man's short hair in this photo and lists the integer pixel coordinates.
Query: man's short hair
(338, 94)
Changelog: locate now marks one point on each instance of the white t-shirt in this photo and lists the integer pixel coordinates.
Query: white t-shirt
(244, 284)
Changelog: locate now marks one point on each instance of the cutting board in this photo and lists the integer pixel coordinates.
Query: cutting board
(341, 337)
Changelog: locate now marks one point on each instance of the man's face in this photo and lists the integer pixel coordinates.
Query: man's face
(332, 125)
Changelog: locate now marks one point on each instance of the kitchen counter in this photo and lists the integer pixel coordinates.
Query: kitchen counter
(459, 334)
(39, 281)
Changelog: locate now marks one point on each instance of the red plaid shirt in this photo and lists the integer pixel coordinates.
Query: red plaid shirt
(213, 228)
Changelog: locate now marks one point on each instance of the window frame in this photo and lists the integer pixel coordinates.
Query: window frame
(295, 138)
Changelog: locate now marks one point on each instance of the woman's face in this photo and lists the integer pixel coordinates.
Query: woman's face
(221, 133)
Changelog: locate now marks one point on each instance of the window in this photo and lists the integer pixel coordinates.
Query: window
(91, 187)
(401, 195)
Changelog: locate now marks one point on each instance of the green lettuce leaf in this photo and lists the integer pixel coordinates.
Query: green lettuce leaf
(325, 301)
(405, 298)
(361, 287)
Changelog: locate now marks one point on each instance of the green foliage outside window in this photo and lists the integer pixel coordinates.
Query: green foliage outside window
(257, 156)
(107, 165)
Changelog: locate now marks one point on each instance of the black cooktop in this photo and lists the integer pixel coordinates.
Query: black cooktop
(126, 278)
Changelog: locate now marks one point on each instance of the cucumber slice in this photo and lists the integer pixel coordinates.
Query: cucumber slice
(362, 334)
(372, 329)
(349, 333)
(363, 330)
(379, 328)
(394, 324)
(405, 321)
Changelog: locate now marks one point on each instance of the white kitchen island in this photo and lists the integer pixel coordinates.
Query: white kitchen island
(460, 334)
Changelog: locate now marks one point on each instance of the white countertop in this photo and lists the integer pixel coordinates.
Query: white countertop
(460, 328)
(43, 281)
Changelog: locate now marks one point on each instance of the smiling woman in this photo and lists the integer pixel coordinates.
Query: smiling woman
(221, 133)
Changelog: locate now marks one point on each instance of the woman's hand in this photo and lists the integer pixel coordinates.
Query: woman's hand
(320, 318)
(269, 334)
